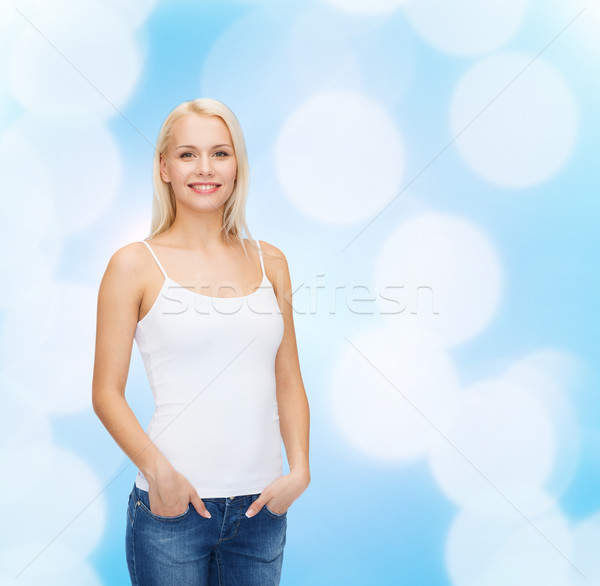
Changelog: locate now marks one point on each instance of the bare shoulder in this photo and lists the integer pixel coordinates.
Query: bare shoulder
(127, 271)
(276, 267)
(129, 261)
(272, 252)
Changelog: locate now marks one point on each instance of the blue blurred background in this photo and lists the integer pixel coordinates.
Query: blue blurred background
(429, 169)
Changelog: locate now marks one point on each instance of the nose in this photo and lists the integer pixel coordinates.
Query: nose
(204, 166)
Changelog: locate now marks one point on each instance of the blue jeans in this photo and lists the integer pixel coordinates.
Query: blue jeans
(229, 549)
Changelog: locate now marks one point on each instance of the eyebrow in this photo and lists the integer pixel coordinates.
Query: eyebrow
(191, 146)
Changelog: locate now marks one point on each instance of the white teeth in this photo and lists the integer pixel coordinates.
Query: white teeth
(204, 187)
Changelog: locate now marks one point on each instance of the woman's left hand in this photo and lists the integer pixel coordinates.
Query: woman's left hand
(281, 493)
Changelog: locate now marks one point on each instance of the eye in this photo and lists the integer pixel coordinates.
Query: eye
(183, 155)
(221, 154)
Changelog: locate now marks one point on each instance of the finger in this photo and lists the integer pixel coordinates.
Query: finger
(255, 507)
(199, 506)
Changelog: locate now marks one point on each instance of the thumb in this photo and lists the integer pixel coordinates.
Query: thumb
(256, 506)
(199, 505)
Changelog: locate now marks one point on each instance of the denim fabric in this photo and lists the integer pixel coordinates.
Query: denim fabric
(229, 549)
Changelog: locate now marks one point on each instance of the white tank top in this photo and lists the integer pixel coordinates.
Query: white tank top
(210, 362)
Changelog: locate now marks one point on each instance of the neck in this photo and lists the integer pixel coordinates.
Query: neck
(202, 233)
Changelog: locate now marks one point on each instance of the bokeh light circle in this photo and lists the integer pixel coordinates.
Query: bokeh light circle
(513, 131)
(502, 447)
(64, 72)
(366, 7)
(49, 370)
(84, 165)
(391, 392)
(514, 550)
(445, 275)
(60, 492)
(466, 27)
(340, 157)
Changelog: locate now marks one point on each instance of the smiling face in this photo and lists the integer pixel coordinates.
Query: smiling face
(200, 163)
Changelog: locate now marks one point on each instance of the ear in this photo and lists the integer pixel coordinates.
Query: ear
(163, 170)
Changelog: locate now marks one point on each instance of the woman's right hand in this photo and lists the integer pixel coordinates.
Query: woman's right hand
(171, 492)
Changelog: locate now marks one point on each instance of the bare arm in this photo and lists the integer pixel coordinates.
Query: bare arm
(119, 299)
(292, 403)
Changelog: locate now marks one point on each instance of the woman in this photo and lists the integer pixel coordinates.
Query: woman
(211, 313)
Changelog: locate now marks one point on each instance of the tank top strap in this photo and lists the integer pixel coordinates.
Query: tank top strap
(156, 259)
(262, 266)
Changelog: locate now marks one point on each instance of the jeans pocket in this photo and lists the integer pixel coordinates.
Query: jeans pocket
(148, 512)
(278, 515)
(142, 501)
(131, 508)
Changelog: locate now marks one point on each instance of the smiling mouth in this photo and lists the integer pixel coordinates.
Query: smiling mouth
(204, 186)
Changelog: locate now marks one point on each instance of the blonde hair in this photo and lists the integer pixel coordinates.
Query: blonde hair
(163, 204)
